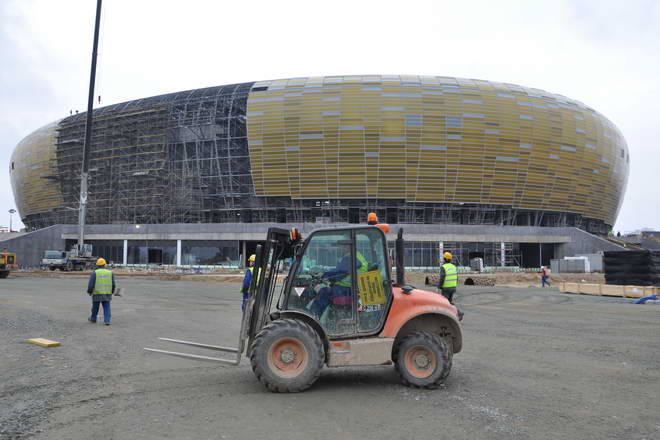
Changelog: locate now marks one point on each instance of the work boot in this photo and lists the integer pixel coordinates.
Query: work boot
(107, 323)
(91, 320)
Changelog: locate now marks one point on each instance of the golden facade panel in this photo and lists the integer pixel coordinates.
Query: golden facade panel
(32, 168)
(434, 140)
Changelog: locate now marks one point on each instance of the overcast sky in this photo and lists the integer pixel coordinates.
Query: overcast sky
(604, 53)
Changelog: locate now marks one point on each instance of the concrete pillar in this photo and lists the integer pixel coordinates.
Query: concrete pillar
(441, 250)
(178, 252)
(244, 257)
(502, 254)
(125, 252)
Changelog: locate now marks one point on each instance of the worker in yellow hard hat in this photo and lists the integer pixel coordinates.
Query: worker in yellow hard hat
(101, 286)
(448, 278)
(247, 280)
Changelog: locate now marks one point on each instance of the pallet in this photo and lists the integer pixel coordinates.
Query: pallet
(608, 290)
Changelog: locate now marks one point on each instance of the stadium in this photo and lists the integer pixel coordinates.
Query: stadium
(478, 167)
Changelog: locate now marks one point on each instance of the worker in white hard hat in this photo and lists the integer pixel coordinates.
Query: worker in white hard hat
(100, 287)
(247, 280)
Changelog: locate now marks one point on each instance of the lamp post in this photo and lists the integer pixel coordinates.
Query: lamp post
(11, 212)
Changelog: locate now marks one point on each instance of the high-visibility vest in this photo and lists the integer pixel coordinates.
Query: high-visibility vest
(251, 269)
(346, 281)
(451, 275)
(103, 285)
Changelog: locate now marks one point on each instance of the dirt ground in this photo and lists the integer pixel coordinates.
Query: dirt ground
(504, 279)
(515, 279)
(536, 364)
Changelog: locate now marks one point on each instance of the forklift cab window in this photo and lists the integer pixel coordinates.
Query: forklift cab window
(323, 283)
(374, 287)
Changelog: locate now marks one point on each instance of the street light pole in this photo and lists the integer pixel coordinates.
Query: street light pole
(11, 212)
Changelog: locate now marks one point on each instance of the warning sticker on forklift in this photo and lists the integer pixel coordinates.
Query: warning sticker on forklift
(370, 286)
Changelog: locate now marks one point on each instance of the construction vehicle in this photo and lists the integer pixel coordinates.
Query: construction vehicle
(7, 263)
(77, 258)
(322, 315)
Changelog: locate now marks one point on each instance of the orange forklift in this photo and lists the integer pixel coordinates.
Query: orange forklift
(339, 306)
(7, 263)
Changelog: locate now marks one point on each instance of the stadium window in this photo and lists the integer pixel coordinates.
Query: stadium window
(454, 121)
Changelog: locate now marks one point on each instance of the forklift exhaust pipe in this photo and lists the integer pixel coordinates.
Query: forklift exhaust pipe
(400, 271)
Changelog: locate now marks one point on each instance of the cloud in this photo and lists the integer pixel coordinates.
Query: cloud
(603, 53)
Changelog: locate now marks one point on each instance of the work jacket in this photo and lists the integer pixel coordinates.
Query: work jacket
(448, 276)
(101, 284)
(362, 267)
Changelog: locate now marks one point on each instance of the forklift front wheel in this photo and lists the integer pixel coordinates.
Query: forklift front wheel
(287, 356)
(423, 360)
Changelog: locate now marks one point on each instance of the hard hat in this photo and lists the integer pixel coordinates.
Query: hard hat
(447, 256)
(252, 258)
(100, 262)
(372, 217)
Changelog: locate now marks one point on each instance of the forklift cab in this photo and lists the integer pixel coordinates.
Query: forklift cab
(341, 278)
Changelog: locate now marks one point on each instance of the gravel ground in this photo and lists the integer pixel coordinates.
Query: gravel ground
(536, 364)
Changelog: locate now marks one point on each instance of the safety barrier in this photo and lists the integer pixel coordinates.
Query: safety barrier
(608, 290)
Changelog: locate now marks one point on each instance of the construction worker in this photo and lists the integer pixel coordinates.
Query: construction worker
(545, 274)
(340, 293)
(247, 280)
(100, 287)
(448, 278)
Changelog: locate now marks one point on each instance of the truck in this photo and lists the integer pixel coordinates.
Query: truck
(7, 263)
(338, 306)
(74, 259)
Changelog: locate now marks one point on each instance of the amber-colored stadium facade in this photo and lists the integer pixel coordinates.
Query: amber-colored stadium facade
(415, 149)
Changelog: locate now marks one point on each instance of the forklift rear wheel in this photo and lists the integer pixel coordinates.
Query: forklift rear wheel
(287, 356)
(423, 360)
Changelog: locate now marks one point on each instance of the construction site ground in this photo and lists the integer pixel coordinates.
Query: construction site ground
(536, 364)
(504, 279)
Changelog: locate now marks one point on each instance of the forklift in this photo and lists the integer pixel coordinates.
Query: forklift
(339, 306)
(7, 263)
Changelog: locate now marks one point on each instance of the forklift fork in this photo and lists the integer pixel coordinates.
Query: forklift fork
(255, 284)
(199, 357)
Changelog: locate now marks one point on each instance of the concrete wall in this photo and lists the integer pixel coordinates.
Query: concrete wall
(582, 242)
(257, 231)
(567, 241)
(30, 247)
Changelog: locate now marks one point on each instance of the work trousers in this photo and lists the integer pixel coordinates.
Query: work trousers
(448, 292)
(106, 311)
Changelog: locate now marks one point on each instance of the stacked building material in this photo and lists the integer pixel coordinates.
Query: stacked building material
(639, 268)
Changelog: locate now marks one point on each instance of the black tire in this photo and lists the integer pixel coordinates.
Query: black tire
(4, 273)
(52, 268)
(429, 348)
(300, 359)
